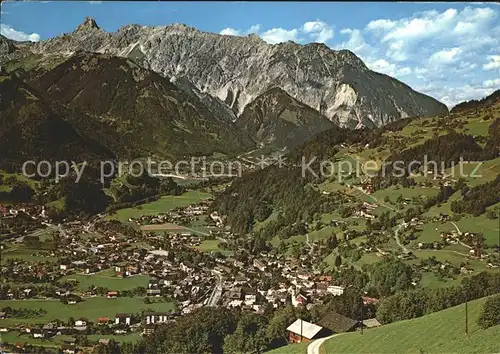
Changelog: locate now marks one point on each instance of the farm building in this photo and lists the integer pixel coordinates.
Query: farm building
(303, 331)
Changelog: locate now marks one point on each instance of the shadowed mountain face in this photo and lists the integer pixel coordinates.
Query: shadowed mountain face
(239, 69)
(135, 111)
(277, 119)
(6, 46)
(32, 128)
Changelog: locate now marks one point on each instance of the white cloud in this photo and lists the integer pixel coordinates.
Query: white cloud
(430, 31)
(493, 62)
(404, 71)
(95, 2)
(495, 83)
(429, 24)
(465, 65)
(380, 25)
(318, 30)
(451, 96)
(395, 51)
(391, 69)
(356, 43)
(382, 65)
(445, 56)
(280, 35)
(272, 36)
(11, 33)
(253, 29)
(230, 32)
(463, 27)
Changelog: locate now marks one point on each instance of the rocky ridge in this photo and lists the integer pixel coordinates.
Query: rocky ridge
(237, 70)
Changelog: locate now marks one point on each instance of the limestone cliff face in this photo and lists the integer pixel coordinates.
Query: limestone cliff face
(237, 70)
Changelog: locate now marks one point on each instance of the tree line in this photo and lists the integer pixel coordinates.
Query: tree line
(419, 302)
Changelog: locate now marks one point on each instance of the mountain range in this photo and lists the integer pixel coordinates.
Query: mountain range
(176, 91)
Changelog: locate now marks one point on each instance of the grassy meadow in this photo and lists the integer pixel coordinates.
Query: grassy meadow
(90, 308)
(162, 205)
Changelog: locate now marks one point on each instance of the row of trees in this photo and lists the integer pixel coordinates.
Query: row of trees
(419, 302)
(475, 200)
(490, 313)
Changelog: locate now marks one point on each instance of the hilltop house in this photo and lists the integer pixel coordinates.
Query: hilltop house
(112, 294)
(303, 331)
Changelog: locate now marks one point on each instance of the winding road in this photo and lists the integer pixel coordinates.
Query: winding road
(396, 237)
(459, 233)
(313, 348)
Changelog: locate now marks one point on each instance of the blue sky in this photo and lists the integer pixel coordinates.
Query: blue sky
(450, 51)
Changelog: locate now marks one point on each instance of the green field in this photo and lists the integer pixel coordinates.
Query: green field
(431, 231)
(20, 177)
(430, 280)
(15, 337)
(275, 241)
(107, 279)
(300, 348)
(25, 254)
(444, 208)
(440, 332)
(393, 193)
(488, 227)
(477, 127)
(90, 308)
(260, 224)
(454, 257)
(212, 246)
(161, 205)
(486, 171)
(4, 188)
(368, 258)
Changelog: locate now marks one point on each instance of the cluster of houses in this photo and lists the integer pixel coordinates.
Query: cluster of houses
(366, 211)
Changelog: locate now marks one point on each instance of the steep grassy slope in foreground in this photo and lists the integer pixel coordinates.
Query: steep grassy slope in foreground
(440, 332)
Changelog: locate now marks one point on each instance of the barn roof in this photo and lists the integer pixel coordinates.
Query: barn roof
(309, 330)
(337, 323)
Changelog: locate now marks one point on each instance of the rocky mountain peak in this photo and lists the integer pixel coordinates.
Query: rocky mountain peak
(88, 24)
(255, 37)
(181, 27)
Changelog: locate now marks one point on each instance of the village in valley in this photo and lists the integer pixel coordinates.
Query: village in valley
(117, 276)
(86, 282)
(101, 279)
